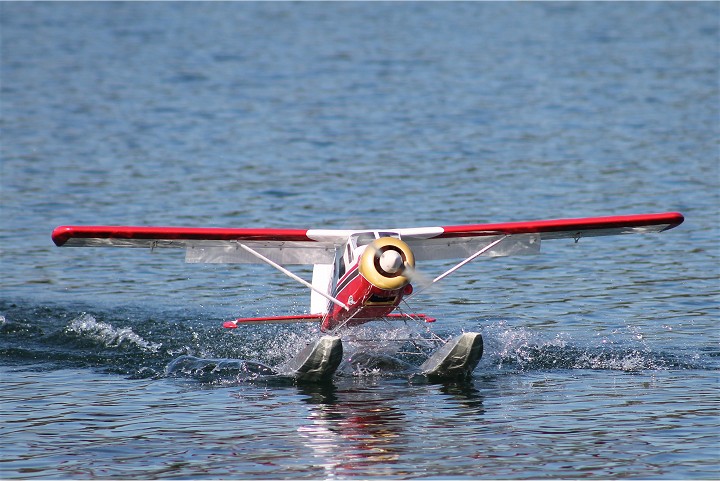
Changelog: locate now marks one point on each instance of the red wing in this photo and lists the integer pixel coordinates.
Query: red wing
(214, 245)
(299, 246)
(573, 228)
(462, 241)
(129, 236)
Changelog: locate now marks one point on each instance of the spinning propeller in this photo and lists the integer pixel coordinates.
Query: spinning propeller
(387, 263)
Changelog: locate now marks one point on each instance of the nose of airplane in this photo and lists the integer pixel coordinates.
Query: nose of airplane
(391, 261)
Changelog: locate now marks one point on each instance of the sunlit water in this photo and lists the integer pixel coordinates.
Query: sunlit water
(601, 357)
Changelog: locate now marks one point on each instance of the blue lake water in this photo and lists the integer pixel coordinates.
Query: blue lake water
(601, 358)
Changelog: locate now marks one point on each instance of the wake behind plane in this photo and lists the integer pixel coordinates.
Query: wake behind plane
(363, 275)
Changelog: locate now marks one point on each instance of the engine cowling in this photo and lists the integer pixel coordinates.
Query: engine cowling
(385, 261)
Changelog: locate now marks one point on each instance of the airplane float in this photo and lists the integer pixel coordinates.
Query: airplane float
(362, 275)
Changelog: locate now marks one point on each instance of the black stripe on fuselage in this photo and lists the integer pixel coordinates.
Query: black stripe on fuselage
(348, 279)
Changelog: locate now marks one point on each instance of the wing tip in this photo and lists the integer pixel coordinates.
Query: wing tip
(675, 219)
(61, 234)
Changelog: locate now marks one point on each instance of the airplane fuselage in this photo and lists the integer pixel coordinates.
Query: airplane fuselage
(364, 300)
(370, 280)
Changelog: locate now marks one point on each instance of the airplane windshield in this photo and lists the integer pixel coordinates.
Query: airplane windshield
(364, 238)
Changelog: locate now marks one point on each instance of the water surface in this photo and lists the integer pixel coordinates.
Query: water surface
(601, 357)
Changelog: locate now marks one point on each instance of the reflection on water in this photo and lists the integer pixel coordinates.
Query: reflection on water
(359, 426)
(465, 394)
(352, 429)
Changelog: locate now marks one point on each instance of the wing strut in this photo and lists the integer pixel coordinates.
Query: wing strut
(469, 259)
(293, 276)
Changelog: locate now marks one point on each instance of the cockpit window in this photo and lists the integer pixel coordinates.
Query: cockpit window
(361, 239)
(364, 238)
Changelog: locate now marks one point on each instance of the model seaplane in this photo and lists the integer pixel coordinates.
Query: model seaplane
(362, 275)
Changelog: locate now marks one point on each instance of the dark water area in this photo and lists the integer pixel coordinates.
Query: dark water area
(601, 357)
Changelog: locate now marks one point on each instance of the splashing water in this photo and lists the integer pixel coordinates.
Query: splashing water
(526, 350)
(87, 326)
(149, 347)
(216, 371)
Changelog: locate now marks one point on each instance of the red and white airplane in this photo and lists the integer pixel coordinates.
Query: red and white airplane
(362, 275)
